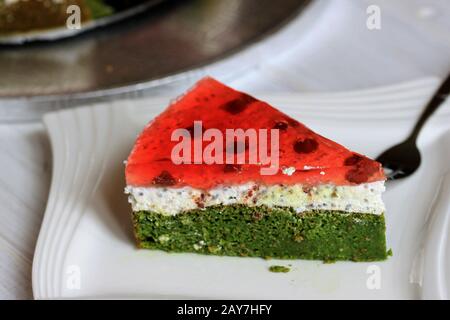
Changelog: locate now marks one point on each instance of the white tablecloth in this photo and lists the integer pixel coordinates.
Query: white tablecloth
(336, 52)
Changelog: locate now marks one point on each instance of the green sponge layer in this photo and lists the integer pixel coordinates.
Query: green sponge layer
(239, 230)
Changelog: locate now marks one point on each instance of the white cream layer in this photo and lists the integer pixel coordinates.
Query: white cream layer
(364, 198)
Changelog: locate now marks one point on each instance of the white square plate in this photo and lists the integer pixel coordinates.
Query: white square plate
(86, 248)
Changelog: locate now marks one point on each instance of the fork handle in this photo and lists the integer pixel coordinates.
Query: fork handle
(438, 98)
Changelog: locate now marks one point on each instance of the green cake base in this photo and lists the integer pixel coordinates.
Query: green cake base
(239, 230)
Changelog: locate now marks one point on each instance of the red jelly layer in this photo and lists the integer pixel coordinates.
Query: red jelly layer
(317, 160)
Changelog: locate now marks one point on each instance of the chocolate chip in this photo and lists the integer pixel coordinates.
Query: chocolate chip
(305, 146)
(164, 179)
(238, 105)
(362, 171)
(292, 122)
(232, 168)
(281, 125)
(356, 176)
(353, 160)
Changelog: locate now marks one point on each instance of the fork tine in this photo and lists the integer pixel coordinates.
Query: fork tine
(396, 174)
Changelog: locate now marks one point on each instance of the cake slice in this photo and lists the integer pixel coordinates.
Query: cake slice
(220, 172)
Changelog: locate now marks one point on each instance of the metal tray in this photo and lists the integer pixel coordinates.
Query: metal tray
(169, 46)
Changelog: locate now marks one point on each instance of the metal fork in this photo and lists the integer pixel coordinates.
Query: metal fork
(403, 159)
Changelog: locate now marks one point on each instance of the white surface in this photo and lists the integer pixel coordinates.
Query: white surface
(87, 224)
(337, 53)
(435, 263)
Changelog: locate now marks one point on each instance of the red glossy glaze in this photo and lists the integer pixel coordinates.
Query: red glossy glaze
(221, 107)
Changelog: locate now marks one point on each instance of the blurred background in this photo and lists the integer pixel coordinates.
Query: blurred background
(64, 53)
(152, 47)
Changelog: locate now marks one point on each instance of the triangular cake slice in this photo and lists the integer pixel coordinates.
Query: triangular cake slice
(220, 172)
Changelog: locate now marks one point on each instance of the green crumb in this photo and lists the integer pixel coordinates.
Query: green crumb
(389, 253)
(279, 233)
(282, 269)
(329, 261)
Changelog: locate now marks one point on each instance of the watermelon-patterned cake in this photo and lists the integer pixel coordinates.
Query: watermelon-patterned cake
(220, 172)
